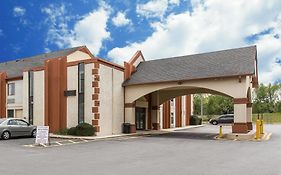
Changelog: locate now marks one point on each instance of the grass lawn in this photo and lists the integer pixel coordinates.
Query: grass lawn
(269, 117)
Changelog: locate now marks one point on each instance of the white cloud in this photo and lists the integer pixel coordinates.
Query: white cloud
(121, 20)
(18, 11)
(175, 2)
(212, 25)
(154, 8)
(57, 23)
(90, 30)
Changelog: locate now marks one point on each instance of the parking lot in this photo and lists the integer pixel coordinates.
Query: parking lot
(192, 151)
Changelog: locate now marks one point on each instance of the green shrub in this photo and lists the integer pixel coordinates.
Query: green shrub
(195, 120)
(71, 131)
(82, 129)
(62, 131)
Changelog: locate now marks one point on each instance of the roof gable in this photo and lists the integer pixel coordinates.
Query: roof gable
(16, 67)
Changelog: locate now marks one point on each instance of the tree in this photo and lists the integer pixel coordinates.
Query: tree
(266, 98)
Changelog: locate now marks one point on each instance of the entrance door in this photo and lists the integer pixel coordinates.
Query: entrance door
(140, 118)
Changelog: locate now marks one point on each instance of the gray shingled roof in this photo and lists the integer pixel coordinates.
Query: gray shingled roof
(16, 67)
(232, 62)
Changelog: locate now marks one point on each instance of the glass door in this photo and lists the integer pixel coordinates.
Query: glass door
(140, 118)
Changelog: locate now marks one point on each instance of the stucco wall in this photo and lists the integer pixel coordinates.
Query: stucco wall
(88, 94)
(77, 56)
(229, 86)
(106, 103)
(39, 98)
(72, 101)
(111, 101)
(118, 101)
(25, 95)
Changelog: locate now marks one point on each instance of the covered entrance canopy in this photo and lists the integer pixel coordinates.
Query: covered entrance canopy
(231, 73)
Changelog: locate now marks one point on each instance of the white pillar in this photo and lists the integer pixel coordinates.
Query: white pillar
(240, 118)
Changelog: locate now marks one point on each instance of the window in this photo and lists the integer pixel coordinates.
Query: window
(12, 122)
(30, 96)
(22, 123)
(10, 113)
(81, 87)
(11, 89)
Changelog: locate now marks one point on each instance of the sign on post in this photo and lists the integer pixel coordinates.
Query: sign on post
(42, 135)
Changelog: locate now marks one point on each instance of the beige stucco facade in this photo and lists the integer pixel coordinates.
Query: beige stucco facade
(111, 101)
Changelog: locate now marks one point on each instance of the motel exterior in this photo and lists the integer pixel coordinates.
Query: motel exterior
(63, 88)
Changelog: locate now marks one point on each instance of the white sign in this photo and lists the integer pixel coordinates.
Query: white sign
(42, 135)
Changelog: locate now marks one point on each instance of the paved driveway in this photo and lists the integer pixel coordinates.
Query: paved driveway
(185, 152)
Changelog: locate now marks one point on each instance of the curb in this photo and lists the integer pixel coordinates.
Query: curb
(164, 131)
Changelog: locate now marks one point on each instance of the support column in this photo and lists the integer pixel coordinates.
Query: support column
(188, 109)
(155, 111)
(3, 95)
(249, 116)
(130, 116)
(240, 116)
(178, 112)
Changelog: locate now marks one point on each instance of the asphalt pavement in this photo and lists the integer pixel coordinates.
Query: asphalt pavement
(193, 151)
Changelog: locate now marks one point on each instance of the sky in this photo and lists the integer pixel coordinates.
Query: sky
(114, 30)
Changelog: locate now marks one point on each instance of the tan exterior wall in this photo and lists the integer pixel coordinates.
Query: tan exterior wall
(88, 94)
(78, 56)
(240, 113)
(111, 101)
(228, 86)
(106, 104)
(25, 95)
(72, 101)
(118, 101)
(39, 98)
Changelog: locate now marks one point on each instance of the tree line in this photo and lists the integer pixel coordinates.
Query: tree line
(265, 98)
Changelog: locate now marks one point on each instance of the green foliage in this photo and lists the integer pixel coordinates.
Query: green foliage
(72, 131)
(82, 129)
(269, 118)
(266, 99)
(212, 104)
(195, 120)
(85, 129)
(62, 131)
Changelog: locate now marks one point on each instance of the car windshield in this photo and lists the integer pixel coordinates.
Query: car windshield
(2, 120)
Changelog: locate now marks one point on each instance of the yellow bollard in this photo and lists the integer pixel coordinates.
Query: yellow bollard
(220, 133)
(258, 129)
(261, 129)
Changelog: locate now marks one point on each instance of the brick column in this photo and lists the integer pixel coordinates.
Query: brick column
(240, 115)
(249, 116)
(95, 96)
(3, 95)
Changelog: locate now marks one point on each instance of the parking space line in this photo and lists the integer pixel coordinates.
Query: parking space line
(72, 141)
(58, 143)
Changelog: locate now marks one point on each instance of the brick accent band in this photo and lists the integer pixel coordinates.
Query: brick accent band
(130, 105)
(240, 101)
(250, 126)
(240, 128)
(249, 105)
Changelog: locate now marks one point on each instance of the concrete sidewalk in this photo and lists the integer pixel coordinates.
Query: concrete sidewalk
(138, 133)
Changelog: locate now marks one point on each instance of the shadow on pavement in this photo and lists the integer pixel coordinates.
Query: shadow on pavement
(188, 135)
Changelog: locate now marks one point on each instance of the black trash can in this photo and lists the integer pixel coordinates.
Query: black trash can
(126, 128)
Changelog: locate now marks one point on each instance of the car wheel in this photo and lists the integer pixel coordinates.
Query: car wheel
(214, 122)
(33, 133)
(6, 135)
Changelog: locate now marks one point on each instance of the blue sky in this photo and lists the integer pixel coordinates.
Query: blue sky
(115, 30)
